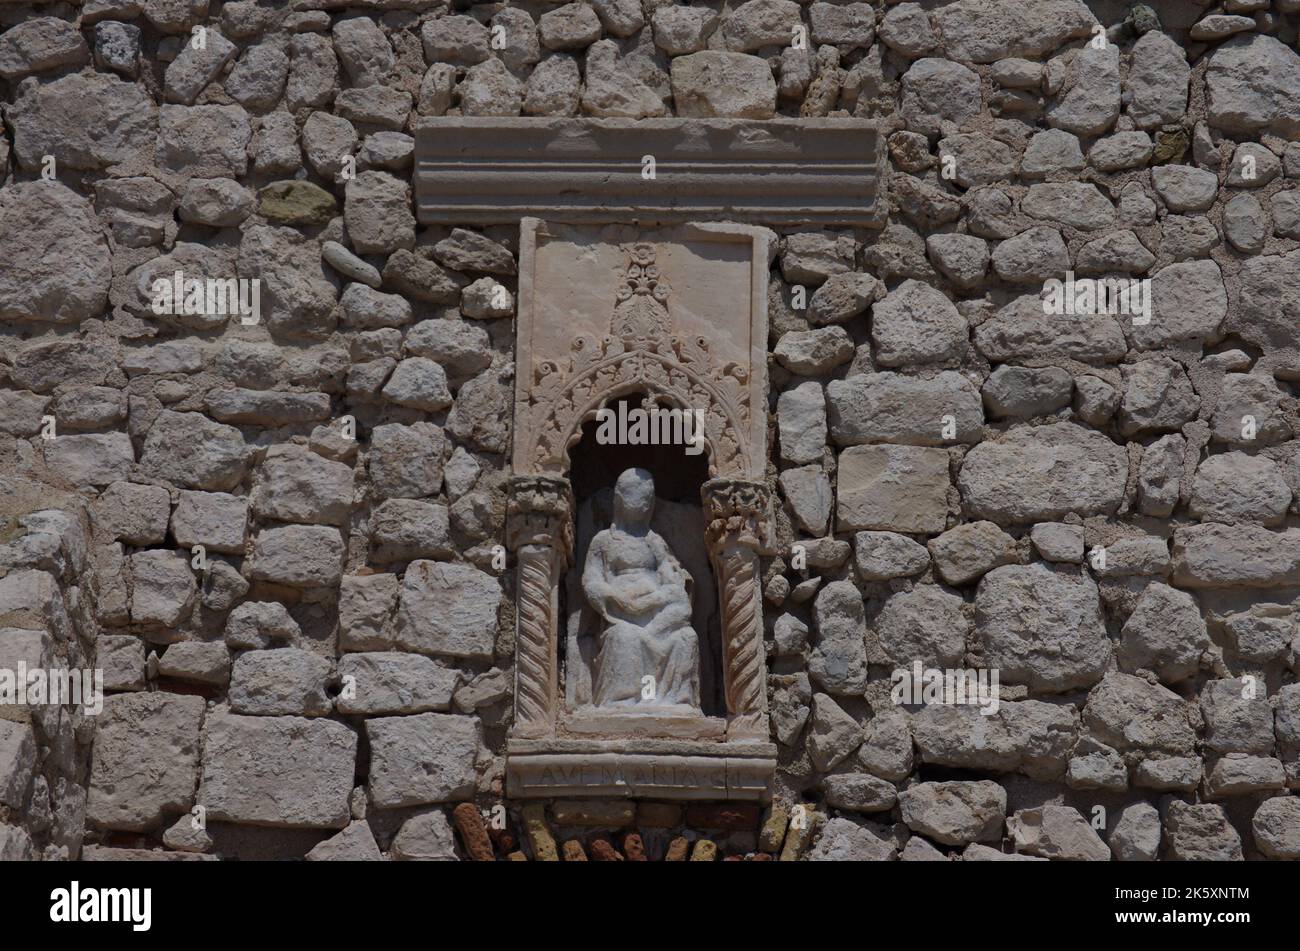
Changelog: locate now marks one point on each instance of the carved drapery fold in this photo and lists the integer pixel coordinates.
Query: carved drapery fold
(540, 530)
(737, 512)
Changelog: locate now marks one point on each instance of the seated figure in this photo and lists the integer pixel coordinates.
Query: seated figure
(640, 590)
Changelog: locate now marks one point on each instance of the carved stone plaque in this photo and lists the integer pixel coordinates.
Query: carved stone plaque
(708, 350)
(675, 318)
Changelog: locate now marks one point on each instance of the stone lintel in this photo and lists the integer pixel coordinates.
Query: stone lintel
(631, 775)
(480, 170)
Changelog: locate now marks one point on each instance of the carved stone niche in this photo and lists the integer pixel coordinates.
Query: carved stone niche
(674, 317)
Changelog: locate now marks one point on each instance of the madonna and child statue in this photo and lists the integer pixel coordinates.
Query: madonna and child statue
(648, 654)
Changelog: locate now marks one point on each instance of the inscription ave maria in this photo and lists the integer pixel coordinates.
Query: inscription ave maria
(634, 775)
(665, 775)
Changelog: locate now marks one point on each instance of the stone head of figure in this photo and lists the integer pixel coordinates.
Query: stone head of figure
(634, 499)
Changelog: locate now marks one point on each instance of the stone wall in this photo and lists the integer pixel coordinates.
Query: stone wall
(276, 537)
(46, 623)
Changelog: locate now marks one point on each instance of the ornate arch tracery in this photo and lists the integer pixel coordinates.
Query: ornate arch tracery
(641, 353)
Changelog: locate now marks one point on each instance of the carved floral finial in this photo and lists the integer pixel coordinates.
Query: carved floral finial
(640, 314)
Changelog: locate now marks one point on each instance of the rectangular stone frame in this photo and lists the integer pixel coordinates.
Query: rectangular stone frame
(716, 758)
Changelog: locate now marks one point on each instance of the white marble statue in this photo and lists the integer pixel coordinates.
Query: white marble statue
(649, 655)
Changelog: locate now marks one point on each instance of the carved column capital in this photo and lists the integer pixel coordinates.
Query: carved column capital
(540, 512)
(737, 512)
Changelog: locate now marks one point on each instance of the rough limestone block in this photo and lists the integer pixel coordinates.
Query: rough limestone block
(1042, 626)
(145, 760)
(289, 772)
(421, 759)
(366, 605)
(131, 513)
(448, 610)
(425, 838)
(216, 520)
(955, 813)
(893, 488)
(301, 556)
(285, 681)
(1040, 473)
(163, 588)
(390, 683)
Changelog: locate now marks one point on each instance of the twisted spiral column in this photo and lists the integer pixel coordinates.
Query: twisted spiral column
(737, 567)
(737, 512)
(540, 532)
(535, 647)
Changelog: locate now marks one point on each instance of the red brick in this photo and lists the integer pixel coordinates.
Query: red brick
(473, 832)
